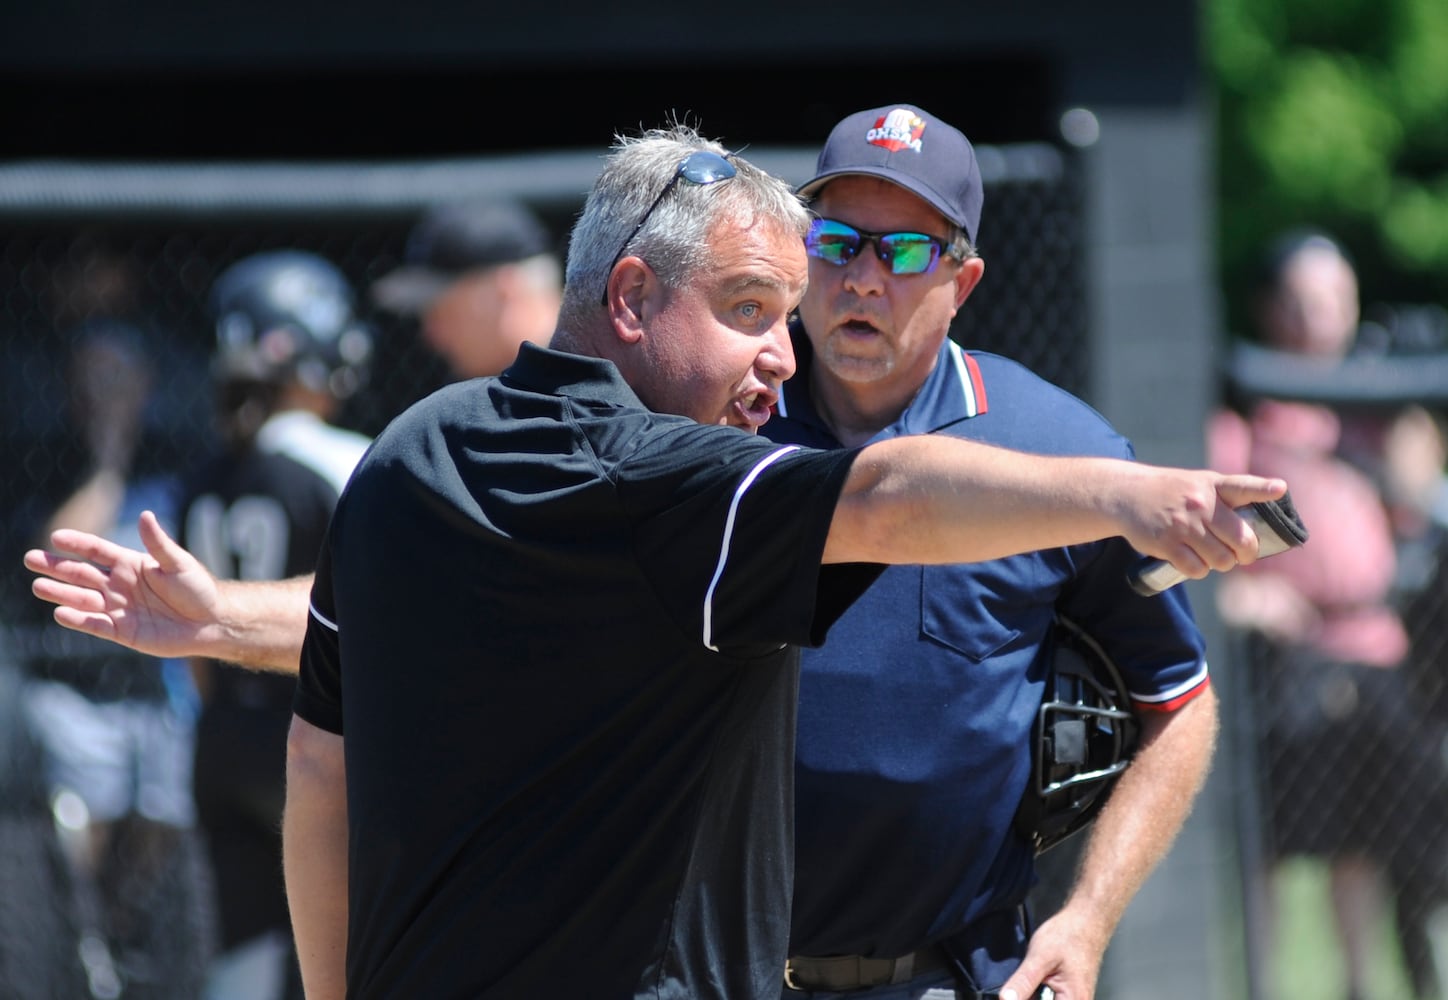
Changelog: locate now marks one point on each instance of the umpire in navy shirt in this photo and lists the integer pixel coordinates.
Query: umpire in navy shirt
(915, 740)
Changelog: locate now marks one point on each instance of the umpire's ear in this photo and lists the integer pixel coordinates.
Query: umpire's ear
(967, 276)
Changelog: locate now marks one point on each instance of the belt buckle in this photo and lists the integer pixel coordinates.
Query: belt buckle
(868, 974)
(789, 977)
(831, 982)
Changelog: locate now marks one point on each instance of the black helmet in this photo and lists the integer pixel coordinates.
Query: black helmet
(1084, 737)
(287, 314)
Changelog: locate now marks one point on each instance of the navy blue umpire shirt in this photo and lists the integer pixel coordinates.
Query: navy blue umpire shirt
(559, 633)
(915, 718)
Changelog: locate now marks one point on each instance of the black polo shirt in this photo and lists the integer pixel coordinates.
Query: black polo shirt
(560, 630)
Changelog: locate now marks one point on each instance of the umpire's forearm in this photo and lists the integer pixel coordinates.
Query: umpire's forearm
(1146, 810)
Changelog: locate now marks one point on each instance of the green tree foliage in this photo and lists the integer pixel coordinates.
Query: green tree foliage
(1333, 113)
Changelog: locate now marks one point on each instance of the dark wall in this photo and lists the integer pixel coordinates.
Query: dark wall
(317, 80)
(343, 115)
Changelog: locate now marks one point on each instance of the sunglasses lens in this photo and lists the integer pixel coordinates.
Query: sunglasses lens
(705, 167)
(910, 253)
(838, 244)
(832, 242)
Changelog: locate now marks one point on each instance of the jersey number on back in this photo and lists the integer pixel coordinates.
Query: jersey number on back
(245, 541)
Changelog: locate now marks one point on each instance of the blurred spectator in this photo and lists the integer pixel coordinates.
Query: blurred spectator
(94, 280)
(481, 278)
(116, 728)
(289, 350)
(1338, 727)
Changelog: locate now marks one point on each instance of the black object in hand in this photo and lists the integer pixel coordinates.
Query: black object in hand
(1278, 526)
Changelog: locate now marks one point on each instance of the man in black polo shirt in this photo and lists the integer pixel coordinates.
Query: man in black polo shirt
(544, 733)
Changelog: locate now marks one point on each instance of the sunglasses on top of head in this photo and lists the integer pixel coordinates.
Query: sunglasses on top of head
(702, 166)
(837, 243)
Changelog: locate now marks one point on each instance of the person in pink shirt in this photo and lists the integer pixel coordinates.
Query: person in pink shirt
(1333, 713)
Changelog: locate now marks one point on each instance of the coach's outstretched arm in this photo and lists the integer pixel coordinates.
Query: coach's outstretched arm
(936, 499)
(165, 603)
(925, 499)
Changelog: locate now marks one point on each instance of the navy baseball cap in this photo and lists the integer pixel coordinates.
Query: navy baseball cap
(453, 239)
(912, 148)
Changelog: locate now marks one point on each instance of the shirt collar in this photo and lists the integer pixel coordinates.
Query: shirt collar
(559, 373)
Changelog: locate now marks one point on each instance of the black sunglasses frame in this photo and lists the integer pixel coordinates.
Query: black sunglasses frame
(701, 167)
(955, 248)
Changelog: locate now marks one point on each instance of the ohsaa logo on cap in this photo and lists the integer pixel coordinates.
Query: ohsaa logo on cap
(900, 129)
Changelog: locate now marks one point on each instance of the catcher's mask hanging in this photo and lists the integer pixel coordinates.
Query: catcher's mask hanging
(1084, 737)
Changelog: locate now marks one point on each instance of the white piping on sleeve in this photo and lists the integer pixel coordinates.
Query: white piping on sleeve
(739, 492)
(312, 609)
(1176, 692)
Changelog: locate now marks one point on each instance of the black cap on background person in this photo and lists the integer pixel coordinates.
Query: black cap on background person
(482, 277)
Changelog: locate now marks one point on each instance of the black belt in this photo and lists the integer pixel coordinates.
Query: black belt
(842, 973)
